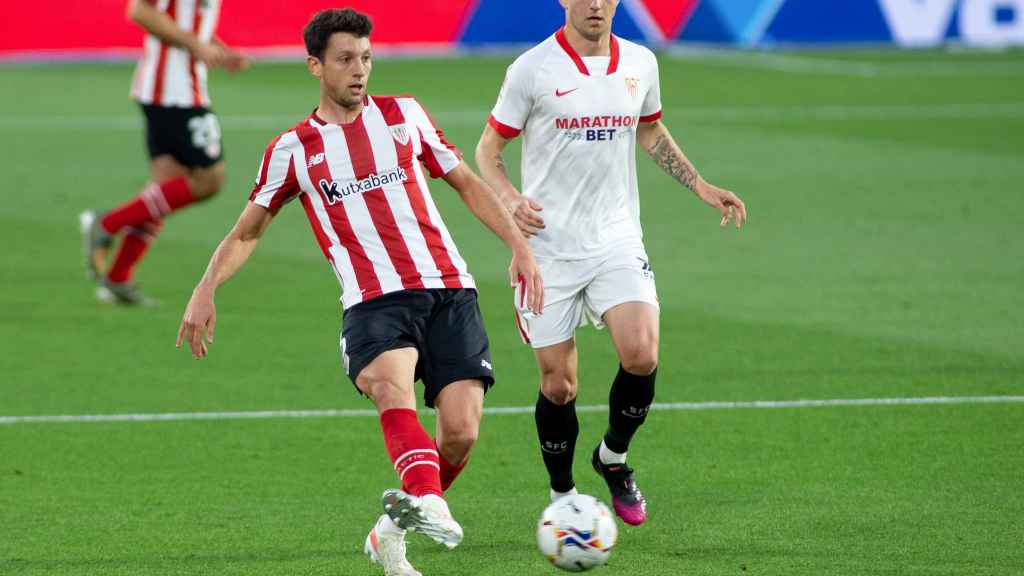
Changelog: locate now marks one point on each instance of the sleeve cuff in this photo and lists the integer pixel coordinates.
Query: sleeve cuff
(651, 117)
(505, 130)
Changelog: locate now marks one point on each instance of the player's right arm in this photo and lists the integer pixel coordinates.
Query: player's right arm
(201, 314)
(493, 171)
(145, 14)
(507, 120)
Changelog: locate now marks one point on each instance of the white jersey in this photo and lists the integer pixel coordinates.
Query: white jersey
(366, 196)
(579, 117)
(169, 76)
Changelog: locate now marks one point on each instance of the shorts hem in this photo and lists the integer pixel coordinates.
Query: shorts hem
(599, 321)
(486, 379)
(535, 344)
(395, 345)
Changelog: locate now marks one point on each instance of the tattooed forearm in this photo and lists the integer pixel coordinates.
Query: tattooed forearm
(671, 159)
(499, 163)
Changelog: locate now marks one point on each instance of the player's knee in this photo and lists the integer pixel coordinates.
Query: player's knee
(206, 182)
(459, 440)
(385, 392)
(640, 360)
(559, 388)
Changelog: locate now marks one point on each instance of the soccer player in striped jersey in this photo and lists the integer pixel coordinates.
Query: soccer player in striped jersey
(358, 165)
(583, 99)
(182, 135)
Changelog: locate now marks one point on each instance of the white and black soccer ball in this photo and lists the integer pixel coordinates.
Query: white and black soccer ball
(577, 533)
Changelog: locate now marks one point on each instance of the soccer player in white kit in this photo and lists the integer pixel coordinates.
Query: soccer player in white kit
(583, 99)
(358, 166)
(182, 137)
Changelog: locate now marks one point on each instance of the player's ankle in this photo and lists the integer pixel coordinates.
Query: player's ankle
(556, 495)
(434, 501)
(609, 456)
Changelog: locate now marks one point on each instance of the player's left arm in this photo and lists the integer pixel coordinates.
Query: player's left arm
(655, 138)
(483, 202)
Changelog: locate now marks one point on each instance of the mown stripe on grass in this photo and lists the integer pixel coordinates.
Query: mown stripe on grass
(477, 117)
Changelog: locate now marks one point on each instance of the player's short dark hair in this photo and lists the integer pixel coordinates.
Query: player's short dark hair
(331, 21)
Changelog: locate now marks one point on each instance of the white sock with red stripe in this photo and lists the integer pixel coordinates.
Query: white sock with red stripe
(412, 452)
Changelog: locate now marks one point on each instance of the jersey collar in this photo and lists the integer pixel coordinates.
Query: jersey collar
(367, 103)
(613, 62)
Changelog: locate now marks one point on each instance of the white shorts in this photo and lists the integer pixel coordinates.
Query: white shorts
(578, 292)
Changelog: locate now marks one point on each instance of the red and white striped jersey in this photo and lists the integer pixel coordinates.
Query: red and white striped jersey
(366, 197)
(170, 76)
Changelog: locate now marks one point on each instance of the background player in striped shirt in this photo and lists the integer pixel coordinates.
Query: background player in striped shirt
(358, 165)
(182, 135)
(583, 99)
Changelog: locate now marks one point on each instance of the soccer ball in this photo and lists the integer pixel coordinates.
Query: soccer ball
(576, 533)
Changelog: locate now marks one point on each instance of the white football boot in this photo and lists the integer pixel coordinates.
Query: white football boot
(428, 515)
(385, 545)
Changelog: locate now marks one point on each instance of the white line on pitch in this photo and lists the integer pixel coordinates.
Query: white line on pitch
(366, 413)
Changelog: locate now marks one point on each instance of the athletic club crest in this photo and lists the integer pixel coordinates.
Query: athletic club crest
(633, 86)
(400, 133)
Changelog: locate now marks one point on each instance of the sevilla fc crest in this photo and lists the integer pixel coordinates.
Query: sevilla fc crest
(400, 133)
(633, 86)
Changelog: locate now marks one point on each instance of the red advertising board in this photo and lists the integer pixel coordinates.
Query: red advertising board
(96, 25)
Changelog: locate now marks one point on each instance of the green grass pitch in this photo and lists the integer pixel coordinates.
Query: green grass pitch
(883, 258)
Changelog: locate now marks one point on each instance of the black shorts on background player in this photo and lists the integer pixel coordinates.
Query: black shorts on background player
(444, 325)
(191, 135)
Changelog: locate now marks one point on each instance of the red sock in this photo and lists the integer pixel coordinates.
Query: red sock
(153, 203)
(133, 248)
(412, 452)
(449, 472)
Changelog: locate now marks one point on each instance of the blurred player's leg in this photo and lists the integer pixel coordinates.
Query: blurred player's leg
(168, 190)
(96, 243)
(459, 408)
(419, 506)
(173, 187)
(133, 247)
(634, 330)
(555, 413)
(117, 287)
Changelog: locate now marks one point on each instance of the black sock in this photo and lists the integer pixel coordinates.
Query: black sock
(557, 428)
(628, 403)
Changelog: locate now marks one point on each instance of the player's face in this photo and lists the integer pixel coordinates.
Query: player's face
(591, 18)
(345, 69)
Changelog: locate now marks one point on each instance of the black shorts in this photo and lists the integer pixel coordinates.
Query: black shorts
(444, 325)
(190, 135)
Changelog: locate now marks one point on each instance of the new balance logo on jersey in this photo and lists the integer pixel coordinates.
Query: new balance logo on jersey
(315, 159)
(334, 192)
(487, 365)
